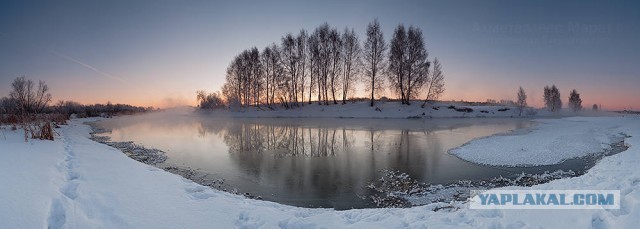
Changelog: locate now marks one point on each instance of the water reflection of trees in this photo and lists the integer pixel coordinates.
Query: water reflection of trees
(325, 161)
(307, 160)
(258, 146)
(300, 155)
(283, 141)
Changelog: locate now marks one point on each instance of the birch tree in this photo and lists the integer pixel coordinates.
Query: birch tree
(374, 62)
(350, 59)
(522, 101)
(435, 85)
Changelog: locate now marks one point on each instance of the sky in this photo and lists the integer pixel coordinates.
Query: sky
(159, 53)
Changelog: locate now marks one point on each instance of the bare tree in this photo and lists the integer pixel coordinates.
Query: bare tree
(408, 63)
(256, 79)
(548, 103)
(556, 98)
(28, 99)
(417, 64)
(351, 58)
(291, 63)
(373, 57)
(552, 98)
(245, 78)
(232, 89)
(323, 61)
(595, 107)
(303, 58)
(397, 61)
(522, 101)
(29, 103)
(435, 83)
(575, 102)
(272, 70)
(335, 57)
(230, 93)
(313, 50)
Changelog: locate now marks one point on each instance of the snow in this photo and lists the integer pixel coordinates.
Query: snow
(551, 142)
(380, 110)
(74, 182)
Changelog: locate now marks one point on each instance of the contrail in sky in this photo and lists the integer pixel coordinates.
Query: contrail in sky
(87, 66)
(94, 69)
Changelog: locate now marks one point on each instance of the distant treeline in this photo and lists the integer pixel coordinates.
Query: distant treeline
(26, 102)
(325, 65)
(8, 106)
(94, 110)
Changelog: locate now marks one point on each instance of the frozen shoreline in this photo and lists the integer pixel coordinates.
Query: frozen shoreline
(75, 182)
(550, 142)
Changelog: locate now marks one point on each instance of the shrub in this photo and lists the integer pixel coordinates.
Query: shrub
(209, 101)
(464, 109)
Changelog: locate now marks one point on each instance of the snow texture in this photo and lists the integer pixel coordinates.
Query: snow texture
(74, 182)
(550, 142)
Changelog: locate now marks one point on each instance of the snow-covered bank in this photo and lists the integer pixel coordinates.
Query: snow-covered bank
(550, 142)
(74, 182)
(380, 110)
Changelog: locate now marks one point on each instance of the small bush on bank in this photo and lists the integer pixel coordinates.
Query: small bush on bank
(460, 109)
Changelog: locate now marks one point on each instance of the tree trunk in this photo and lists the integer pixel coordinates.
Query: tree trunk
(373, 83)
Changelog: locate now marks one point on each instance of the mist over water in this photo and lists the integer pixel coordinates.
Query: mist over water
(311, 162)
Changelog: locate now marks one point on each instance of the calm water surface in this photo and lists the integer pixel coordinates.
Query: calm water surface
(313, 162)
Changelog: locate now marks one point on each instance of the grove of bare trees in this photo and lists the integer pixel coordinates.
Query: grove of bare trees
(209, 100)
(326, 65)
(408, 65)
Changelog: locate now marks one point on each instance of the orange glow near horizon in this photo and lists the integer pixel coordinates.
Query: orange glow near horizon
(169, 96)
(178, 88)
